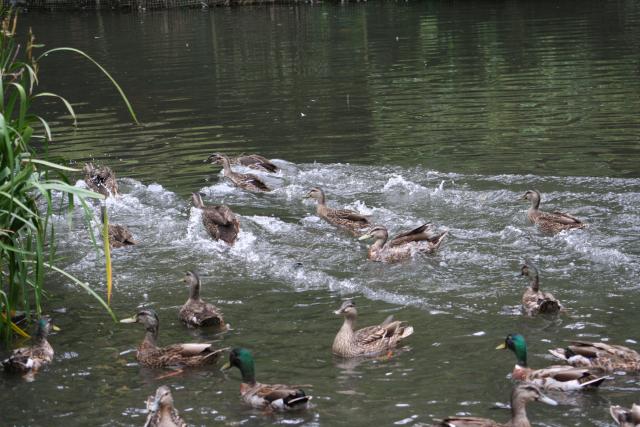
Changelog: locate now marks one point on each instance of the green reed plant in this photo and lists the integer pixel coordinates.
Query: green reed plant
(28, 183)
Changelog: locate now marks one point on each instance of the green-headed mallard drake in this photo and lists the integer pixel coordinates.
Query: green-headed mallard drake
(626, 417)
(343, 218)
(369, 341)
(149, 354)
(553, 222)
(535, 301)
(162, 413)
(100, 179)
(197, 313)
(404, 245)
(27, 360)
(558, 377)
(243, 180)
(275, 397)
(599, 355)
(219, 221)
(520, 396)
(254, 161)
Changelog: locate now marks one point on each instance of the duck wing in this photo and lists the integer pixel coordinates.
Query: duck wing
(466, 422)
(257, 161)
(560, 217)
(349, 215)
(252, 180)
(417, 234)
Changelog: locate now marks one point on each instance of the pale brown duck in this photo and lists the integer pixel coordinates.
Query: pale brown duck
(246, 181)
(162, 413)
(404, 245)
(535, 301)
(219, 221)
(100, 179)
(349, 220)
(196, 312)
(547, 222)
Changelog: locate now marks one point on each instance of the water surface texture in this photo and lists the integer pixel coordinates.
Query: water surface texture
(441, 112)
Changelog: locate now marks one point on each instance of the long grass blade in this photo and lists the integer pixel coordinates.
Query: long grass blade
(107, 250)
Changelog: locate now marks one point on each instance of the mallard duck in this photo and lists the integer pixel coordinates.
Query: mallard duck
(275, 397)
(119, 235)
(608, 357)
(520, 396)
(343, 218)
(243, 180)
(369, 341)
(196, 312)
(553, 222)
(27, 360)
(560, 378)
(219, 221)
(254, 161)
(535, 301)
(149, 354)
(626, 417)
(404, 245)
(101, 180)
(162, 413)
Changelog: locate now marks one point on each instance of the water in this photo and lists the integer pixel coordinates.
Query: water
(412, 112)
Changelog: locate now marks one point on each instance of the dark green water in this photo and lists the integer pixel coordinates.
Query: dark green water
(444, 112)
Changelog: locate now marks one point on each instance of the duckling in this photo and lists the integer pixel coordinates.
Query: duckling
(551, 223)
(404, 245)
(369, 341)
(243, 180)
(195, 312)
(28, 360)
(626, 417)
(344, 218)
(557, 378)
(273, 397)
(101, 180)
(149, 354)
(162, 413)
(254, 161)
(520, 396)
(219, 221)
(535, 301)
(607, 357)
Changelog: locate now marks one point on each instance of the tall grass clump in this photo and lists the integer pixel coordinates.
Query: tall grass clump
(27, 182)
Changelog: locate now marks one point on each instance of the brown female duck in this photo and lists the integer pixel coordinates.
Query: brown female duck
(195, 312)
(547, 222)
(607, 357)
(100, 179)
(404, 245)
(369, 341)
(343, 218)
(28, 360)
(520, 396)
(119, 235)
(243, 180)
(149, 354)
(219, 221)
(535, 301)
(162, 413)
(626, 417)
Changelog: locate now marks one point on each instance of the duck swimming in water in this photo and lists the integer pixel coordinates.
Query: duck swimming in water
(343, 218)
(404, 245)
(100, 179)
(219, 221)
(246, 181)
(547, 222)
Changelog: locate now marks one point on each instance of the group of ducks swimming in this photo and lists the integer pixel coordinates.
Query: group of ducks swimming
(588, 363)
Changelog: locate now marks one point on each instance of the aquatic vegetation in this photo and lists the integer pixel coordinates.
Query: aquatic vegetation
(27, 181)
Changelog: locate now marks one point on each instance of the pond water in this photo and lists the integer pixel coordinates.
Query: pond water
(410, 112)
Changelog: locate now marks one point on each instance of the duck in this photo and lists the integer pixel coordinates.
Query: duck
(28, 360)
(195, 312)
(520, 396)
(271, 397)
(162, 413)
(343, 218)
(599, 355)
(547, 222)
(404, 245)
(555, 378)
(149, 354)
(246, 181)
(254, 161)
(626, 417)
(119, 235)
(100, 179)
(369, 341)
(535, 301)
(219, 221)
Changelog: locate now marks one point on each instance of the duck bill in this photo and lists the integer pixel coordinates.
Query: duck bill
(226, 366)
(501, 346)
(129, 320)
(365, 237)
(55, 328)
(547, 400)
(155, 406)
(337, 312)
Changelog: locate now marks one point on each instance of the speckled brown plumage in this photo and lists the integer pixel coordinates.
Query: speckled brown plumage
(196, 312)
(404, 245)
(550, 223)
(100, 179)
(535, 301)
(162, 413)
(346, 219)
(608, 357)
(26, 360)
(246, 181)
(254, 161)
(219, 221)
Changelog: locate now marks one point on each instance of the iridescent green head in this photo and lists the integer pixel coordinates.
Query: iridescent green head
(517, 344)
(242, 359)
